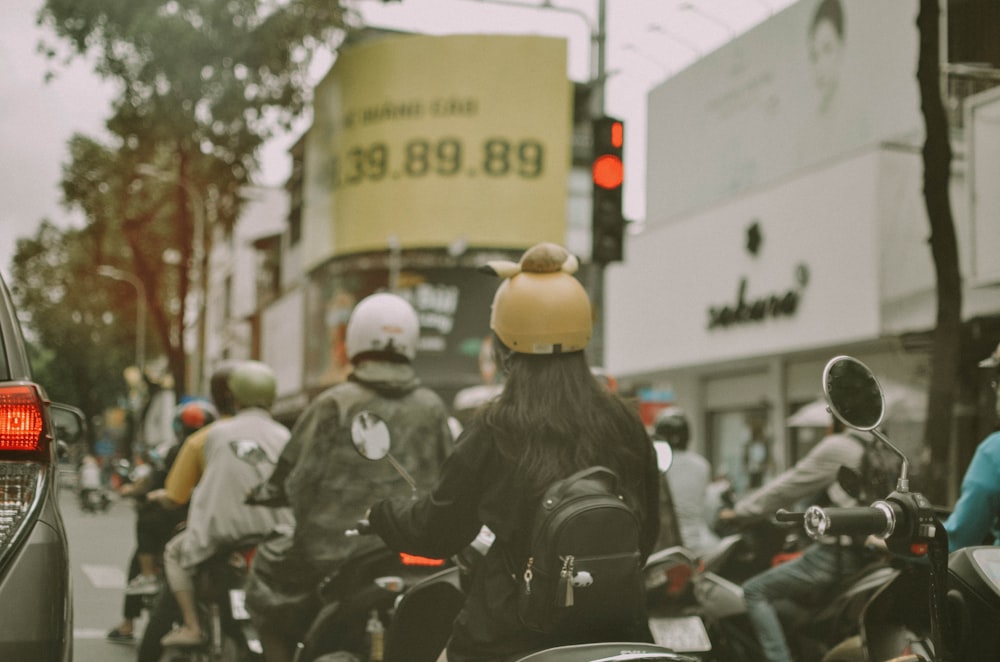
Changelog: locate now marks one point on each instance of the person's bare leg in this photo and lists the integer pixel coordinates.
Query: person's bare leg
(147, 564)
(189, 611)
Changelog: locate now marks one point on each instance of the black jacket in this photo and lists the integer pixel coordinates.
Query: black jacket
(479, 486)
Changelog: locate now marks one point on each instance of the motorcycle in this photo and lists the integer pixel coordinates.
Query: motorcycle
(812, 629)
(417, 622)
(220, 582)
(360, 609)
(938, 608)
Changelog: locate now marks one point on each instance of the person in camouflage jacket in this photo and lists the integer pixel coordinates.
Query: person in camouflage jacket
(328, 484)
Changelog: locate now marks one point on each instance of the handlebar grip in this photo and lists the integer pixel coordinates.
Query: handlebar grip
(783, 515)
(878, 519)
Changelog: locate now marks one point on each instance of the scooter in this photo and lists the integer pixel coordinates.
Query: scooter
(812, 628)
(360, 611)
(941, 608)
(94, 500)
(220, 583)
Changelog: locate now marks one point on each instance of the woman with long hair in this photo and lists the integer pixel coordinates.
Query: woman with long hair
(552, 419)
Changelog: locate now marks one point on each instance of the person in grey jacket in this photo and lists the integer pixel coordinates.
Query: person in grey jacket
(328, 484)
(239, 453)
(824, 563)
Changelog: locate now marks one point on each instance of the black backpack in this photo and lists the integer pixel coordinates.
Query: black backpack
(879, 470)
(584, 569)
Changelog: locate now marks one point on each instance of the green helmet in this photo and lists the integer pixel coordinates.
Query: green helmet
(253, 384)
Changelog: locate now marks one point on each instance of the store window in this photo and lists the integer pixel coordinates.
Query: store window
(740, 446)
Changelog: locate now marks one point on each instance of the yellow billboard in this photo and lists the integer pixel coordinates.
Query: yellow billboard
(424, 141)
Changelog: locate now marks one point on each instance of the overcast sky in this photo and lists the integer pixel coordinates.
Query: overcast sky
(647, 41)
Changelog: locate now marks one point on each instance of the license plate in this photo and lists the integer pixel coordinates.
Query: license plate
(238, 604)
(684, 634)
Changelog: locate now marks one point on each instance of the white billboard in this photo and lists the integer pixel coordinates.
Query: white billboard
(819, 80)
(983, 127)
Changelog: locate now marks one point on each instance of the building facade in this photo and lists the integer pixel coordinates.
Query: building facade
(785, 225)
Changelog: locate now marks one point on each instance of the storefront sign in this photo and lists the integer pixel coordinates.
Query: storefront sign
(451, 297)
(746, 310)
(431, 138)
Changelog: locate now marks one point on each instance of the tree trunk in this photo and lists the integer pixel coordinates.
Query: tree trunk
(944, 249)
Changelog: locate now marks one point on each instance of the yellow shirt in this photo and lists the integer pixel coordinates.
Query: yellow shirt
(188, 467)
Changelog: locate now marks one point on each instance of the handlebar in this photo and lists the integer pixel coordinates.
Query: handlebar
(879, 519)
(362, 528)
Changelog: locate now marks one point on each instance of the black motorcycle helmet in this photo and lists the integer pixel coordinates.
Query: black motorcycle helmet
(222, 396)
(671, 425)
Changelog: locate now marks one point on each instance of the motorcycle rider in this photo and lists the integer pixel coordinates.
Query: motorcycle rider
(184, 473)
(189, 465)
(154, 524)
(824, 563)
(328, 484)
(975, 519)
(689, 476)
(239, 452)
(552, 418)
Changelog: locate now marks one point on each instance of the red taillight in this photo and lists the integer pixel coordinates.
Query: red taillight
(677, 578)
(410, 559)
(21, 419)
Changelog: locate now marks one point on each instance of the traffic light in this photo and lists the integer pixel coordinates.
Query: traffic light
(608, 173)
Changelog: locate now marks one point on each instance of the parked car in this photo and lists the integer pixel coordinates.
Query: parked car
(36, 606)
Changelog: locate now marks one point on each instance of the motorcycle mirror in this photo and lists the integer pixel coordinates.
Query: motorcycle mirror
(664, 455)
(854, 395)
(372, 441)
(370, 435)
(856, 399)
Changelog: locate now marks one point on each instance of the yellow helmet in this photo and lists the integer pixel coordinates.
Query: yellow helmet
(540, 308)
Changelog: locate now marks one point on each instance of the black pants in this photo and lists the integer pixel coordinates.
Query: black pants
(162, 617)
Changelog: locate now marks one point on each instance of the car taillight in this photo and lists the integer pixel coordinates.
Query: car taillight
(410, 559)
(19, 485)
(22, 422)
(24, 460)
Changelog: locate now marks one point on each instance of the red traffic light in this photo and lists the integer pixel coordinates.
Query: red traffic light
(608, 171)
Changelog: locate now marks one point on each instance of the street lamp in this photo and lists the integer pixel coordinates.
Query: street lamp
(199, 268)
(140, 308)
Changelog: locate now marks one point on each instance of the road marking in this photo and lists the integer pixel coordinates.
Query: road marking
(104, 576)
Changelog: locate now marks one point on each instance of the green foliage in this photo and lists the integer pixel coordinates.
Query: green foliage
(212, 77)
(78, 343)
(202, 85)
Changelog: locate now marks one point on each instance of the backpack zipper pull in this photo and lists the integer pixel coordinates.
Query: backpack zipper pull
(566, 577)
(528, 574)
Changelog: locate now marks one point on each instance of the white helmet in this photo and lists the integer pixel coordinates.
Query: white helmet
(383, 323)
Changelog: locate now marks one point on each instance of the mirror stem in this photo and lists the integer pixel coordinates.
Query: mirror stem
(404, 473)
(903, 484)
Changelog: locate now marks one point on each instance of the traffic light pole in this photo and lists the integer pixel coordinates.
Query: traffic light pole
(597, 101)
